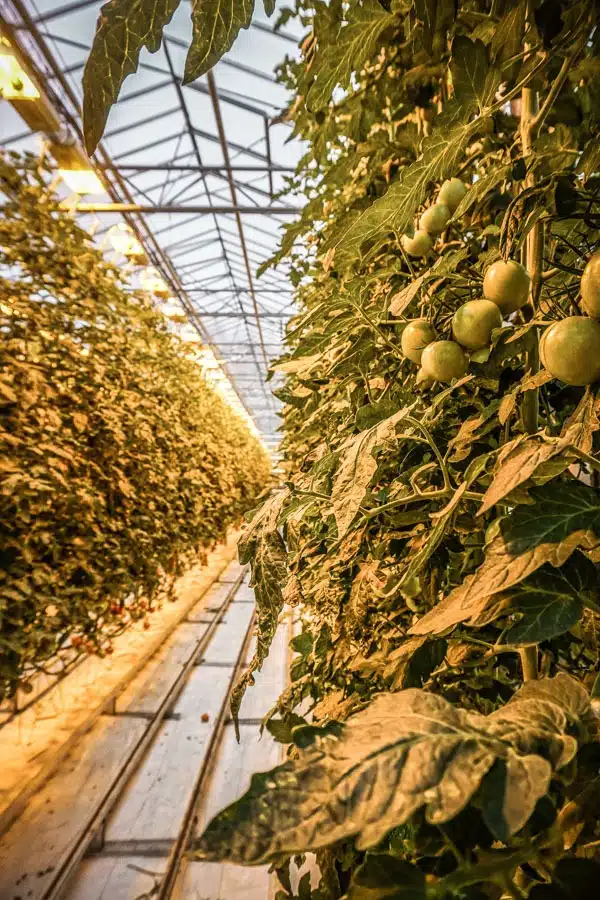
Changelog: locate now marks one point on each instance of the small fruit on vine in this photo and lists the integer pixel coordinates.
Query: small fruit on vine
(415, 337)
(434, 219)
(424, 379)
(451, 193)
(444, 360)
(474, 322)
(507, 285)
(590, 287)
(419, 245)
(570, 350)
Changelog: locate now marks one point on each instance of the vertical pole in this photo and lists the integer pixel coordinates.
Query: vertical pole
(533, 256)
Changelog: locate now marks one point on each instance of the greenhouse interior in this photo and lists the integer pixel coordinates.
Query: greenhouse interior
(299, 450)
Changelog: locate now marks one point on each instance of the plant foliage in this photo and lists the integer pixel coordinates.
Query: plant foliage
(118, 463)
(442, 539)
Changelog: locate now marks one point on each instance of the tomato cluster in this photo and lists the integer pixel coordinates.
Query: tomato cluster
(569, 349)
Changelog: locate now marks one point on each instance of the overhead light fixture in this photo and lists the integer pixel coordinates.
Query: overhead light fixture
(82, 181)
(123, 240)
(153, 282)
(15, 83)
(19, 88)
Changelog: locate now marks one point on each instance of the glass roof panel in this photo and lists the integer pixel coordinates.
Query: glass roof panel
(163, 151)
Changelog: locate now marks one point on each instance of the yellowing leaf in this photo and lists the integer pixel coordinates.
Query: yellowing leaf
(518, 465)
(405, 751)
(562, 517)
(357, 468)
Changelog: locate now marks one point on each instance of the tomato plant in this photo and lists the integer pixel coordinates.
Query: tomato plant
(118, 464)
(439, 527)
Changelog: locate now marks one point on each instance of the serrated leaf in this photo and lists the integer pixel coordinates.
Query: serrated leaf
(366, 586)
(561, 518)
(262, 545)
(302, 643)
(508, 33)
(579, 429)
(344, 47)
(269, 6)
(589, 162)
(404, 752)
(369, 415)
(384, 877)
(473, 80)
(124, 29)
(357, 468)
(571, 880)
(394, 212)
(482, 187)
(215, 26)
(551, 599)
(517, 465)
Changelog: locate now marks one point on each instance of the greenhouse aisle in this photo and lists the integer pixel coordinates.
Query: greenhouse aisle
(134, 827)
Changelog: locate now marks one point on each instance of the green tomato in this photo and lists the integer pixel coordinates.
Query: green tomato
(590, 287)
(419, 245)
(451, 193)
(474, 322)
(507, 285)
(424, 379)
(570, 350)
(415, 337)
(434, 219)
(444, 361)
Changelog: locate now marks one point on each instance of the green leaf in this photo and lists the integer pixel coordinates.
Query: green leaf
(263, 547)
(481, 189)
(571, 880)
(507, 39)
(124, 28)
(589, 162)
(302, 643)
(561, 518)
(404, 752)
(552, 600)
(473, 80)
(344, 46)
(215, 26)
(357, 468)
(384, 877)
(369, 415)
(281, 729)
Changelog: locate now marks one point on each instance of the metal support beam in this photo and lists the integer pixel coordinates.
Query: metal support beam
(196, 210)
(70, 108)
(208, 170)
(207, 314)
(192, 134)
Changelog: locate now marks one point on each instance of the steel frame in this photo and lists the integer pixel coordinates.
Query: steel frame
(155, 164)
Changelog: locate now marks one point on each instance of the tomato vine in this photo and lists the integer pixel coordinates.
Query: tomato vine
(118, 464)
(438, 526)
